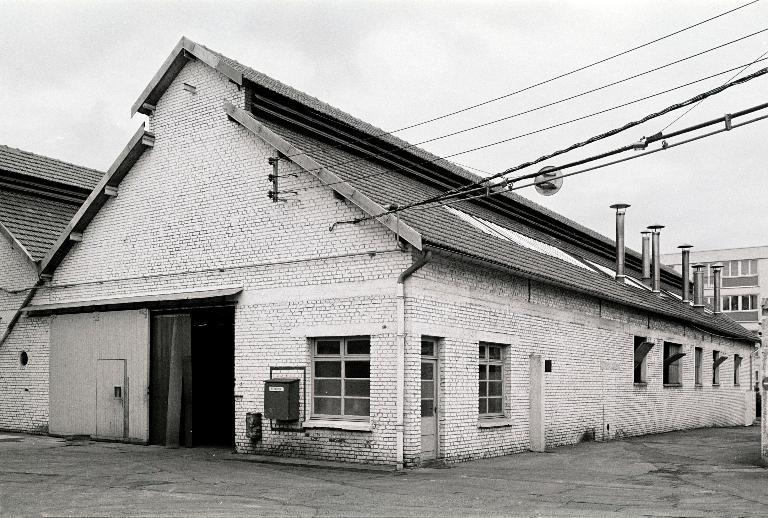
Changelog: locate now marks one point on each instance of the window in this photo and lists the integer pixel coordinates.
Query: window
(736, 369)
(698, 353)
(716, 361)
(741, 268)
(739, 302)
(672, 354)
(642, 348)
(341, 382)
(491, 379)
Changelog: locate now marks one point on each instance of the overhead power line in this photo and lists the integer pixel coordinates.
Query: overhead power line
(509, 139)
(577, 145)
(395, 149)
(532, 86)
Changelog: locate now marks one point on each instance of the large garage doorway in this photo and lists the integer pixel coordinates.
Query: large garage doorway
(192, 377)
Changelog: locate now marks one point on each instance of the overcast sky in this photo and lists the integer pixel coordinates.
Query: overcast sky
(71, 70)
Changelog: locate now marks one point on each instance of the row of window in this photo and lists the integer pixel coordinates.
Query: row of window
(739, 268)
(672, 366)
(341, 374)
(736, 302)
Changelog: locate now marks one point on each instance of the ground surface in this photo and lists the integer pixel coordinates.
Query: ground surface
(711, 472)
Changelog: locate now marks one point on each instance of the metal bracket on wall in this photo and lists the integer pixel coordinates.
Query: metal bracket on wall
(303, 370)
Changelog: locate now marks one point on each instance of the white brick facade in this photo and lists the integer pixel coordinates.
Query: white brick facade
(194, 213)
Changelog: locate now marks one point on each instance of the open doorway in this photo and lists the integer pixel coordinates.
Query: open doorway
(192, 377)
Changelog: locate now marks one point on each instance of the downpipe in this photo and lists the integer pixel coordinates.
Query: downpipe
(400, 345)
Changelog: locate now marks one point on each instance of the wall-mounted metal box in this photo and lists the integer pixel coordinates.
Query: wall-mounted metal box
(281, 399)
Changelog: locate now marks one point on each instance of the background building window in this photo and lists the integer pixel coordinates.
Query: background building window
(341, 382)
(672, 355)
(491, 379)
(698, 353)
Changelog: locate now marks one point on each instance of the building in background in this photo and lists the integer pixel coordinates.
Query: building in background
(742, 290)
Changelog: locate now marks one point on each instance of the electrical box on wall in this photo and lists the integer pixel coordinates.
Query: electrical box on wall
(281, 399)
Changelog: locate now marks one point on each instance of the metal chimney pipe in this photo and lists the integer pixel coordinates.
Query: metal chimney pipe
(698, 286)
(646, 257)
(621, 209)
(717, 301)
(686, 271)
(656, 280)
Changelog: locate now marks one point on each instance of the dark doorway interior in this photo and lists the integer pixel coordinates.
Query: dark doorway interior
(213, 376)
(192, 378)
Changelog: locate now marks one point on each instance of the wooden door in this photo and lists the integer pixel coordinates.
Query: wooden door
(110, 399)
(428, 409)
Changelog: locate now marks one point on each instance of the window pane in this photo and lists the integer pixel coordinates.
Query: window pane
(482, 372)
(482, 352)
(357, 406)
(327, 387)
(744, 302)
(328, 406)
(427, 371)
(427, 407)
(494, 405)
(357, 388)
(328, 347)
(734, 268)
(494, 353)
(753, 266)
(427, 348)
(328, 369)
(483, 388)
(494, 372)
(753, 302)
(357, 369)
(494, 388)
(359, 346)
(428, 389)
(745, 267)
(726, 303)
(483, 408)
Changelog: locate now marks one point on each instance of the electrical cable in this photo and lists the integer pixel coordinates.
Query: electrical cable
(686, 112)
(600, 166)
(530, 87)
(516, 137)
(406, 146)
(577, 145)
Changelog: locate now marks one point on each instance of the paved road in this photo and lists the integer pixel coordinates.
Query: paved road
(711, 472)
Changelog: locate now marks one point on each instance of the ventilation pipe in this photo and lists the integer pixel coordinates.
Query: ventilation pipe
(656, 280)
(686, 270)
(698, 286)
(621, 209)
(717, 302)
(646, 257)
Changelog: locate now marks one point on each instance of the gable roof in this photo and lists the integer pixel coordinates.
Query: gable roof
(393, 171)
(38, 196)
(41, 167)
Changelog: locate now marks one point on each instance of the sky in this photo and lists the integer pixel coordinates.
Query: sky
(72, 69)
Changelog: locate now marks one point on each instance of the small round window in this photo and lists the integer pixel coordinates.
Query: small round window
(23, 358)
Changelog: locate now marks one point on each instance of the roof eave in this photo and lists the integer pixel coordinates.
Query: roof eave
(747, 337)
(184, 50)
(140, 142)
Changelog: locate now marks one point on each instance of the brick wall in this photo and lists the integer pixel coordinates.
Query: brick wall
(23, 388)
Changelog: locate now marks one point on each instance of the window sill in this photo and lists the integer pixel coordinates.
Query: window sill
(641, 384)
(715, 385)
(698, 386)
(673, 385)
(493, 422)
(354, 426)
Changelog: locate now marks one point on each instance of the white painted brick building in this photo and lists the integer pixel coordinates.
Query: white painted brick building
(380, 321)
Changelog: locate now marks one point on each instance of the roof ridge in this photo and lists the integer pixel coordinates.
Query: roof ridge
(45, 157)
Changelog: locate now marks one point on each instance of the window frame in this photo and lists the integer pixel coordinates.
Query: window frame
(715, 368)
(342, 357)
(668, 352)
(737, 370)
(641, 369)
(487, 361)
(698, 363)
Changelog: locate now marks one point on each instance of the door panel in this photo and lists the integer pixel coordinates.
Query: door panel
(428, 409)
(110, 398)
